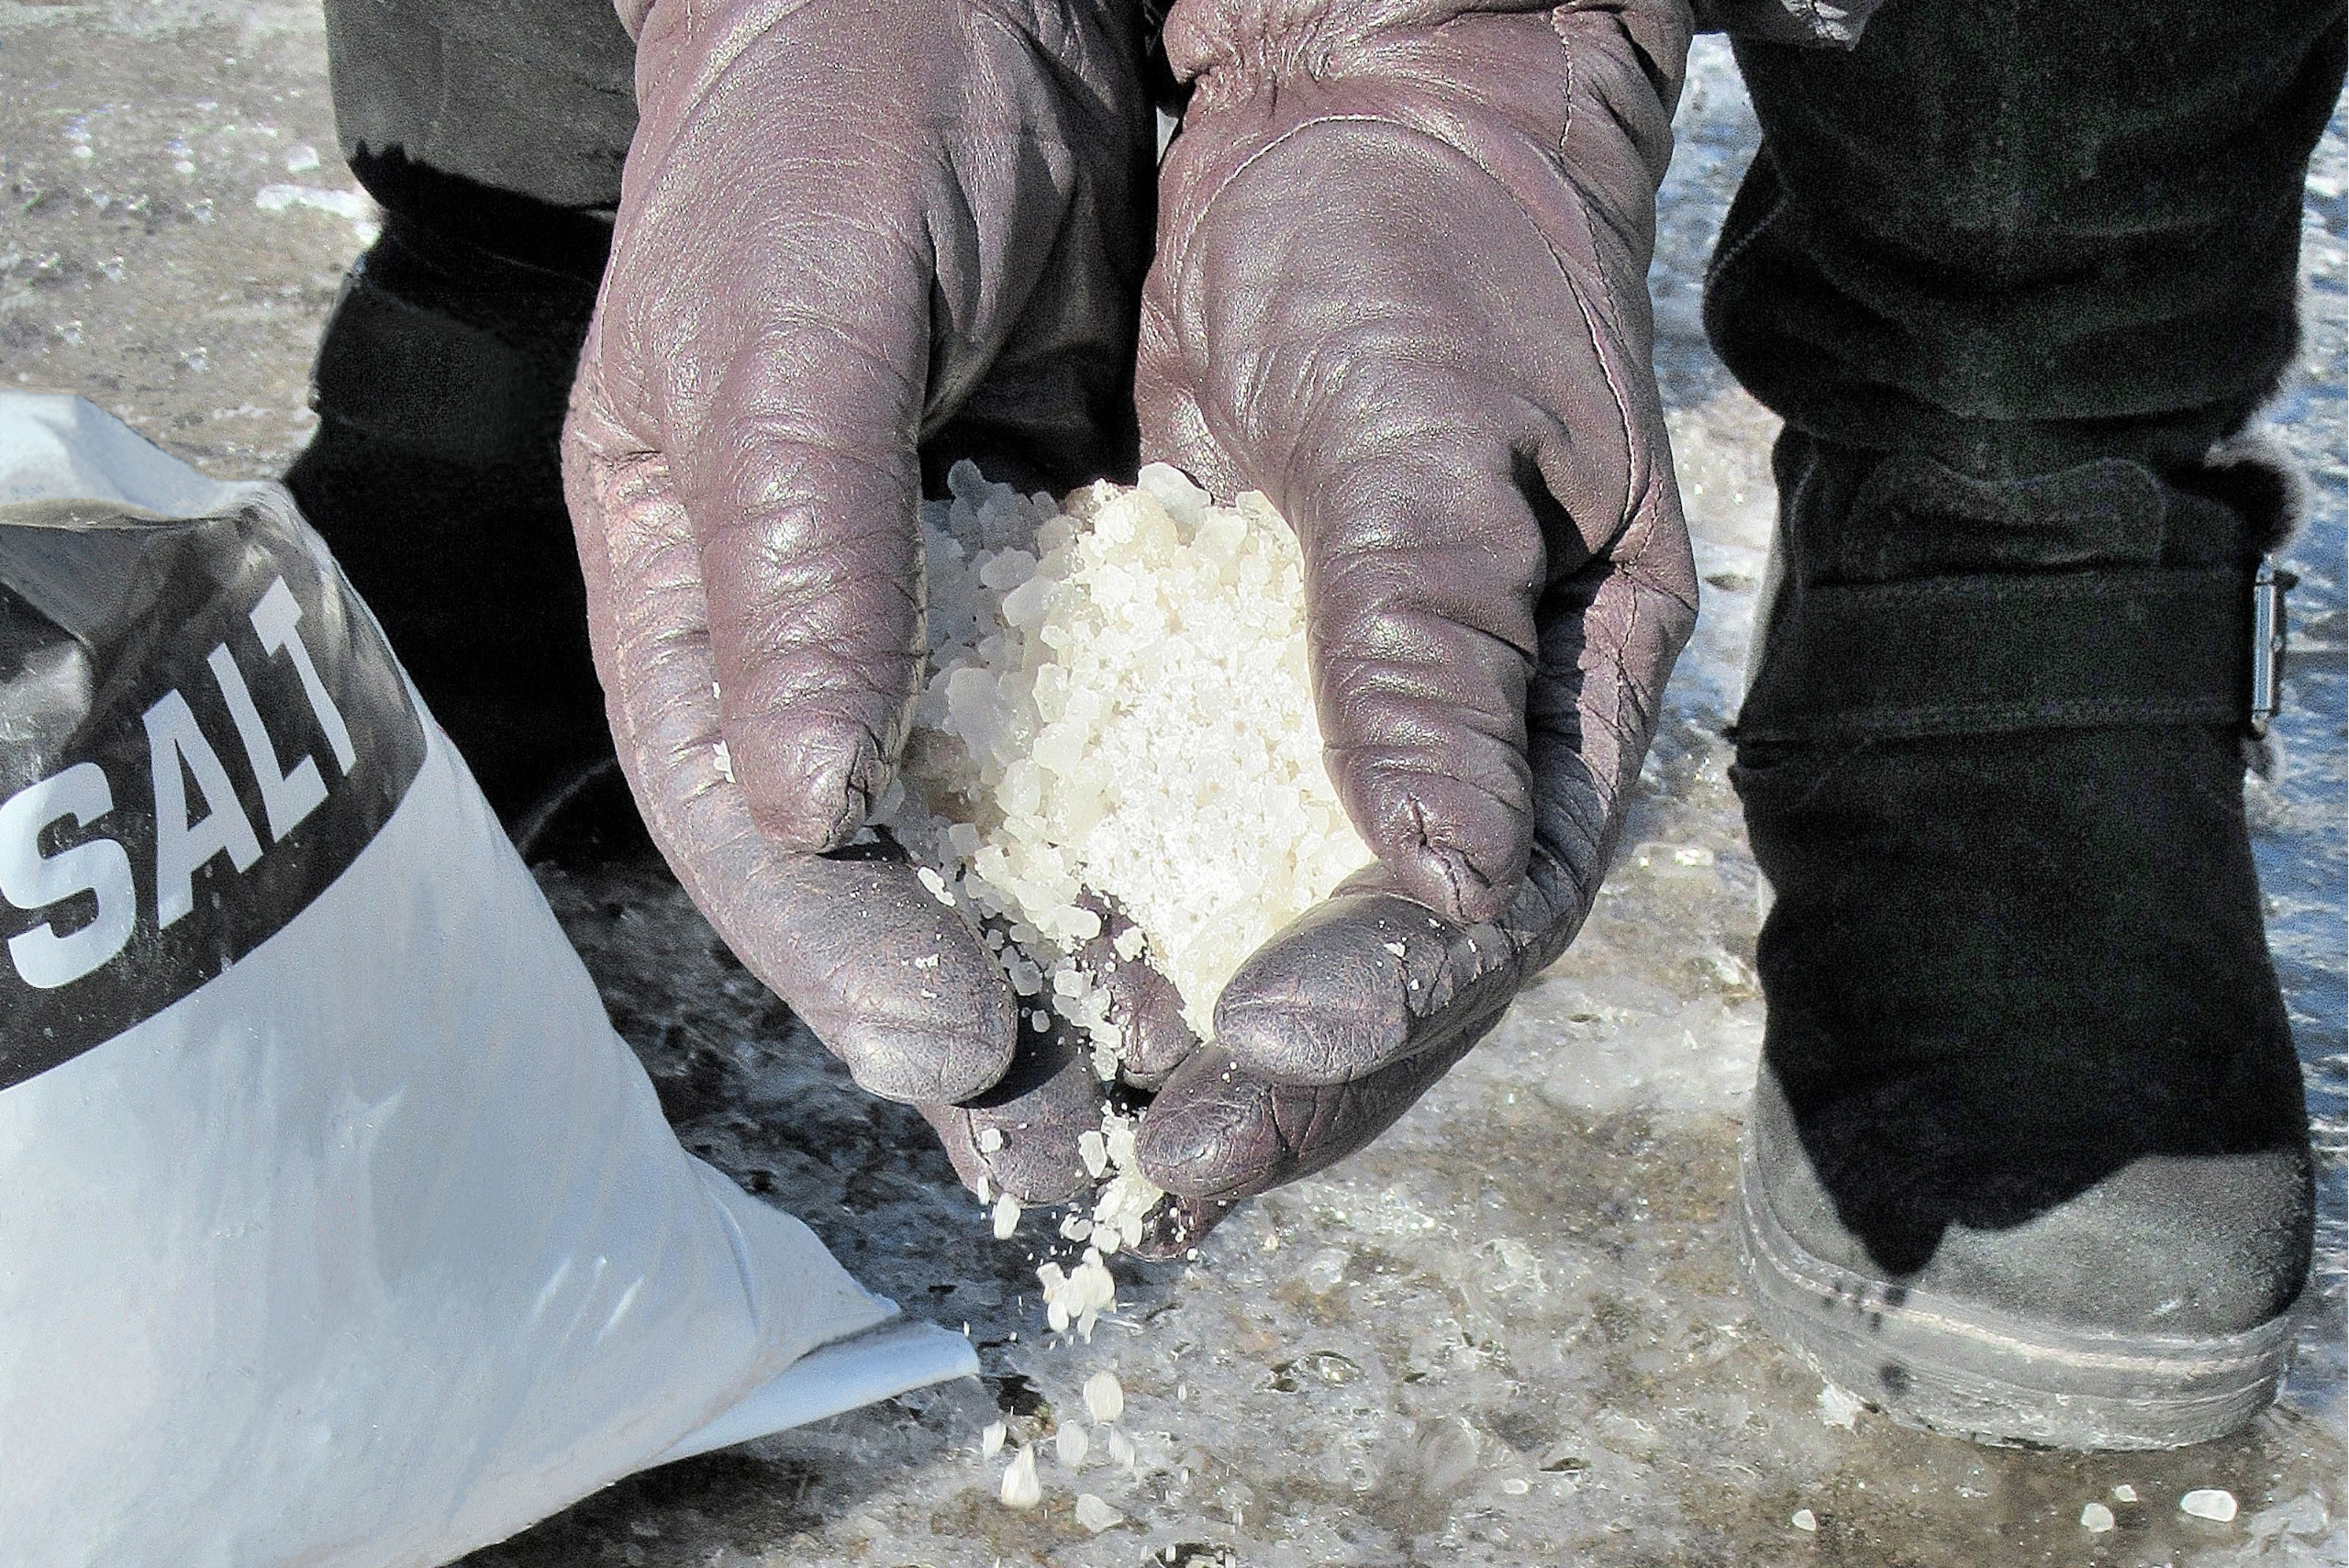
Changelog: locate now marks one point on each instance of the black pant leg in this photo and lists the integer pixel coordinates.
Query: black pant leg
(493, 133)
(2013, 235)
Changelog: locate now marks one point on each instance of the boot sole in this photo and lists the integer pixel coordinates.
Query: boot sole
(1991, 1376)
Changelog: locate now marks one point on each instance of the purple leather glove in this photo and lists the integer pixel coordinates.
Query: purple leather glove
(1401, 288)
(853, 237)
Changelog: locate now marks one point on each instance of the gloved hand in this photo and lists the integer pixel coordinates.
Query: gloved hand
(1401, 289)
(853, 238)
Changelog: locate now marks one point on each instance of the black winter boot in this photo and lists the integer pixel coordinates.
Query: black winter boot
(441, 385)
(2028, 1160)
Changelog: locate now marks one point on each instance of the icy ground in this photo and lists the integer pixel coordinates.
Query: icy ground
(1510, 1333)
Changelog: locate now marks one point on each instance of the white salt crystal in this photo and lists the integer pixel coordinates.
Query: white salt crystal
(2208, 1503)
(1105, 1397)
(1079, 1295)
(1094, 1151)
(1121, 1449)
(1072, 1444)
(1021, 1487)
(1006, 1217)
(990, 1140)
(991, 1439)
(1129, 943)
(2096, 1518)
(1515, 1487)
(724, 760)
(1095, 1515)
(2124, 1493)
(1804, 1518)
(1838, 1408)
(930, 879)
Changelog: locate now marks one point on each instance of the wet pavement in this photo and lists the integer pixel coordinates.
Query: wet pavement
(1510, 1332)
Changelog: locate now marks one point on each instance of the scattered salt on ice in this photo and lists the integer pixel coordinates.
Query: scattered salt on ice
(1095, 1515)
(2124, 1493)
(1121, 1449)
(1021, 1487)
(1839, 1408)
(991, 1439)
(1804, 1519)
(301, 158)
(2208, 1503)
(1516, 1487)
(1105, 1396)
(2096, 1518)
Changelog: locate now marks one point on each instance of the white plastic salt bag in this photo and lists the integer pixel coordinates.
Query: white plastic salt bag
(339, 1229)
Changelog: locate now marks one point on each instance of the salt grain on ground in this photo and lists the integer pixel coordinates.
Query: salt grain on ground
(1095, 1515)
(1021, 1487)
(2208, 1503)
(1072, 1445)
(2096, 1518)
(1839, 1408)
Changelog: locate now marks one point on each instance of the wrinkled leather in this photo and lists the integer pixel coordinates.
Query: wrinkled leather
(850, 235)
(1401, 288)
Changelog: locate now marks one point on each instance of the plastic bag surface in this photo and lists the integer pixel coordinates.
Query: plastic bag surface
(341, 1229)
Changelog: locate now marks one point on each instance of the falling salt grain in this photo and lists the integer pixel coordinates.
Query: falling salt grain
(1804, 1518)
(1105, 1396)
(1095, 1515)
(1006, 1217)
(2096, 1518)
(1021, 1487)
(2208, 1503)
(991, 1439)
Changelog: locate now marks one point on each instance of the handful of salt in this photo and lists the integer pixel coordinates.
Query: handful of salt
(1118, 705)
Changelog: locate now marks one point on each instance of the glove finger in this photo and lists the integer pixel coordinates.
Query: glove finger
(1399, 403)
(797, 472)
(893, 981)
(1021, 1136)
(1370, 977)
(1218, 1133)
